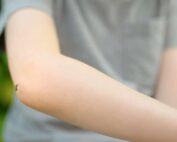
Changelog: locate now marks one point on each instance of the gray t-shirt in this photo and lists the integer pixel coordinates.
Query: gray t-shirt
(122, 38)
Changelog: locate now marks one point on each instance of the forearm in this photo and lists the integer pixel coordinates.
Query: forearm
(77, 93)
(81, 95)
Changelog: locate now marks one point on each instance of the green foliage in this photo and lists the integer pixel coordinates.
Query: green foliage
(2, 115)
(5, 83)
(6, 90)
(6, 87)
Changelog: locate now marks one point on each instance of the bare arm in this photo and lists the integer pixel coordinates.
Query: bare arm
(75, 92)
(167, 84)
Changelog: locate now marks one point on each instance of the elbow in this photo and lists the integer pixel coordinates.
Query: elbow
(27, 92)
(39, 83)
(30, 88)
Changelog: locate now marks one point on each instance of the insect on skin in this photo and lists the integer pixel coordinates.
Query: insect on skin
(16, 87)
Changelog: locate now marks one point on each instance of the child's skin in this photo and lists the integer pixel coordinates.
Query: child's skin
(77, 93)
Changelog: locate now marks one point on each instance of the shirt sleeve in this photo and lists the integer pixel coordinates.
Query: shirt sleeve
(171, 25)
(11, 6)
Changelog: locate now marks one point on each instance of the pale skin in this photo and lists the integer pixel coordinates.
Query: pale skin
(76, 92)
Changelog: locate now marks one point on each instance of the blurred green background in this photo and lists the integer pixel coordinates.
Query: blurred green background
(6, 87)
